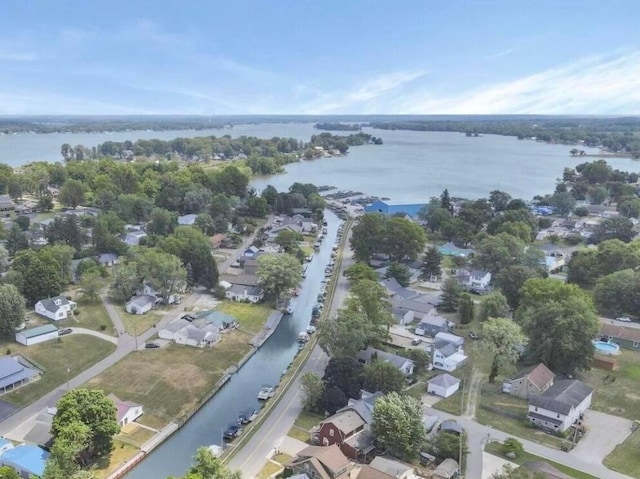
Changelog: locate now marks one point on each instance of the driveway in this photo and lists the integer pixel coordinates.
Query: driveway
(97, 334)
(605, 432)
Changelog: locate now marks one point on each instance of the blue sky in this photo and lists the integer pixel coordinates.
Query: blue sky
(319, 57)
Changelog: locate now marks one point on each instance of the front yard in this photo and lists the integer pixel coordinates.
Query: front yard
(136, 324)
(251, 317)
(303, 425)
(92, 316)
(171, 381)
(77, 353)
(625, 457)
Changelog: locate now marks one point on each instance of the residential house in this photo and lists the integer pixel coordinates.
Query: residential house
(446, 352)
(451, 426)
(431, 325)
(44, 224)
(169, 331)
(149, 290)
(443, 385)
(251, 251)
(37, 335)
(6, 203)
(108, 259)
(242, 279)
(368, 472)
(216, 240)
(56, 308)
(349, 428)
(238, 292)
(560, 406)
(187, 220)
(392, 467)
(141, 304)
(367, 356)
(532, 380)
(192, 335)
(447, 469)
(36, 238)
(274, 232)
(625, 337)
(250, 265)
(473, 280)
(132, 238)
(449, 249)
(14, 374)
(321, 462)
(28, 461)
(126, 411)
(220, 320)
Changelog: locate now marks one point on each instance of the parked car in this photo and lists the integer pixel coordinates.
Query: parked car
(151, 345)
(188, 317)
(624, 319)
(65, 331)
(416, 341)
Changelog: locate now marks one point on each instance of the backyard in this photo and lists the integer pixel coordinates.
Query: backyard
(625, 457)
(251, 317)
(171, 381)
(75, 353)
(304, 423)
(136, 324)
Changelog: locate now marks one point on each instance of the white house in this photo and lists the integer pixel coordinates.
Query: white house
(366, 356)
(447, 353)
(56, 309)
(37, 335)
(108, 259)
(141, 304)
(187, 219)
(560, 406)
(170, 330)
(149, 290)
(126, 411)
(239, 292)
(473, 280)
(132, 238)
(191, 335)
(443, 385)
(432, 324)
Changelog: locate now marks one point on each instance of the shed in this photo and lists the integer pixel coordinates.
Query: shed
(443, 385)
(27, 460)
(37, 335)
(13, 374)
(447, 469)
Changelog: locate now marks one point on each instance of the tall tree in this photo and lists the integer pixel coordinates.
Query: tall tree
(72, 193)
(278, 273)
(431, 263)
(465, 308)
(161, 222)
(208, 466)
(450, 297)
(42, 275)
(163, 271)
(126, 281)
(16, 240)
(193, 248)
(383, 376)
(11, 310)
(403, 239)
(397, 425)
(493, 305)
(366, 236)
(400, 272)
(358, 271)
(313, 389)
(451, 445)
(613, 228)
(90, 284)
(503, 339)
(68, 451)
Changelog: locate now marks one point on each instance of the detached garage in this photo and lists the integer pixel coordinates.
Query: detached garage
(443, 385)
(37, 335)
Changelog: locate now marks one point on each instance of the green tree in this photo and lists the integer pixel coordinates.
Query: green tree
(313, 389)
(383, 376)
(7, 472)
(90, 284)
(431, 263)
(372, 299)
(499, 200)
(66, 230)
(288, 240)
(613, 228)
(345, 372)
(597, 194)
(400, 272)
(42, 275)
(16, 240)
(126, 281)
(257, 207)
(450, 297)
(450, 445)
(23, 222)
(72, 193)
(493, 305)
(358, 271)
(629, 207)
(509, 472)
(563, 203)
(581, 211)
(333, 399)
(517, 229)
(11, 310)
(349, 333)
(503, 339)
(163, 271)
(366, 236)
(93, 409)
(278, 273)
(618, 293)
(511, 279)
(204, 222)
(45, 203)
(403, 239)
(445, 201)
(513, 446)
(397, 425)
(465, 308)
(161, 222)
(208, 466)
(68, 450)
(194, 249)
(561, 322)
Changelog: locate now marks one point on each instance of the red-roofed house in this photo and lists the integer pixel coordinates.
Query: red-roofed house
(532, 380)
(126, 411)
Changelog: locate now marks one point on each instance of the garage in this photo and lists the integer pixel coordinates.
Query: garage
(443, 385)
(37, 335)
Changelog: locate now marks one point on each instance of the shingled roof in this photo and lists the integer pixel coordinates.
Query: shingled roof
(538, 374)
(562, 396)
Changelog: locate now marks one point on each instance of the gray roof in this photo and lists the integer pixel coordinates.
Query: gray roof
(364, 406)
(444, 380)
(251, 290)
(11, 372)
(445, 348)
(396, 288)
(390, 466)
(346, 420)
(447, 468)
(243, 279)
(562, 396)
(371, 353)
(105, 258)
(194, 333)
(50, 303)
(40, 434)
(413, 304)
(176, 325)
(143, 300)
(437, 321)
(451, 426)
(362, 441)
(38, 331)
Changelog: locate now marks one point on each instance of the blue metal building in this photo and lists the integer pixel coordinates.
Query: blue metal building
(394, 207)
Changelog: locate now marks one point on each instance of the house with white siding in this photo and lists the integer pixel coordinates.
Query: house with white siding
(56, 308)
(560, 406)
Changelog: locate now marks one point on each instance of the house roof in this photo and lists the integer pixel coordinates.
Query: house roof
(215, 317)
(562, 396)
(105, 258)
(437, 321)
(40, 434)
(446, 349)
(447, 468)
(368, 472)
(371, 353)
(194, 333)
(451, 426)
(362, 441)
(449, 338)
(538, 374)
(444, 380)
(11, 371)
(396, 288)
(142, 300)
(243, 279)
(413, 304)
(31, 459)
(620, 332)
(329, 457)
(54, 304)
(176, 325)
(364, 406)
(250, 290)
(187, 219)
(346, 421)
(38, 331)
(5, 200)
(545, 469)
(390, 466)
(122, 407)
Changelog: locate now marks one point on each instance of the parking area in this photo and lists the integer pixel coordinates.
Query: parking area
(604, 433)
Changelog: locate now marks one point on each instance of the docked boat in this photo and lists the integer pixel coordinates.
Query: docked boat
(303, 337)
(311, 330)
(324, 230)
(290, 309)
(265, 393)
(248, 416)
(215, 450)
(233, 431)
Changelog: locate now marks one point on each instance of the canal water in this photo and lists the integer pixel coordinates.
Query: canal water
(174, 456)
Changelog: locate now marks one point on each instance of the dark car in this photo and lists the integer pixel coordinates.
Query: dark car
(232, 432)
(65, 331)
(151, 345)
(188, 317)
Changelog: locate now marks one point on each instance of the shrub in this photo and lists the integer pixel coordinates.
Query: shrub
(76, 312)
(103, 327)
(512, 445)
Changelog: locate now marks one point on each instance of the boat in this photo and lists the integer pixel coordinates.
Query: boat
(316, 246)
(324, 230)
(265, 393)
(311, 330)
(290, 309)
(215, 450)
(303, 337)
(248, 416)
(231, 432)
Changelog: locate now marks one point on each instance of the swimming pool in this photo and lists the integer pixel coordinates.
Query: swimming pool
(605, 347)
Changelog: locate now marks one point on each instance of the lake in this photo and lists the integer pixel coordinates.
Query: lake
(410, 166)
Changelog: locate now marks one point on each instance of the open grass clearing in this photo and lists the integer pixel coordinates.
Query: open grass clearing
(307, 420)
(269, 470)
(77, 353)
(516, 427)
(136, 324)
(617, 392)
(122, 452)
(136, 436)
(92, 316)
(625, 458)
(495, 449)
(299, 434)
(171, 381)
(251, 317)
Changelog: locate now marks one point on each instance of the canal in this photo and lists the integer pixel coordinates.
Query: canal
(174, 456)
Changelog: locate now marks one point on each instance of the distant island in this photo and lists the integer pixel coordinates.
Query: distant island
(338, 126)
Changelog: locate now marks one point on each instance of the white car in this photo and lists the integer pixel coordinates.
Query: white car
(623, 319)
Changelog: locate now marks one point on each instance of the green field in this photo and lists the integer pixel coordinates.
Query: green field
(625, 457)
(251, 317)
(90, 316)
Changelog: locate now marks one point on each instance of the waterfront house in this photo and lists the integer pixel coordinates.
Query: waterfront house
(192, 335)
(321, 462)
(37, 335)
(169, 331)
(532, 380)
(625, 337)
(14, 374)
(389, 207)
(126, 411)
(56, 308)
(369, 355)
(560, 406)
(238, 292)
(443, 385)
(141, 304)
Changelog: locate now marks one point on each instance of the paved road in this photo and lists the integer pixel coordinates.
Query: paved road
(252, 457)
(97, 334)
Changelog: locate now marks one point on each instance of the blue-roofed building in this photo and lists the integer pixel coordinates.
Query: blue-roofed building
(27, 460)
(216, 318)
(13, 374)
(389, 207)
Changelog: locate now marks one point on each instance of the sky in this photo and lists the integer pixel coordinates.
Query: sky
(225, 57)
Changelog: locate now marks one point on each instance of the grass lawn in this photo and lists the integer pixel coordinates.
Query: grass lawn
(74, 352)
(250, 316)
(452, 405)
(494, 448)
(172, 380)
(303, 424)
(269, 470)
(617, 392)
(121, 453)
(517, 427)
(91, 316)
(136, 324)
(625, 457)
(136, 437)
